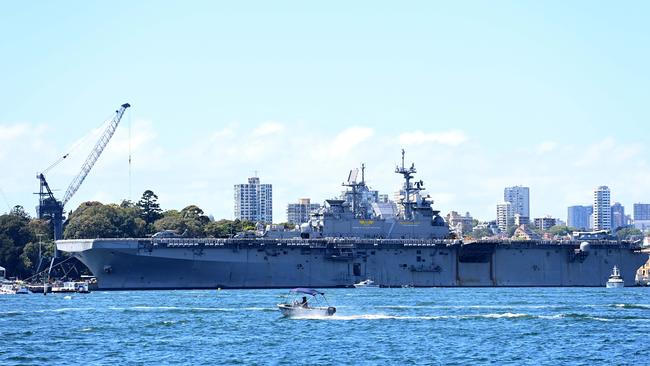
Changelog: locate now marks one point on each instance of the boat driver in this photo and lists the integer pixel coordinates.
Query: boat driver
(304, 303)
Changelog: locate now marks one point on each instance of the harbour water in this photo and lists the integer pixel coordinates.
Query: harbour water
(372, 326)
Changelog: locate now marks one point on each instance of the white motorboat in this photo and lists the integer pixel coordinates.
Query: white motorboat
(14, 289)
(71, 286)
(22, 290)
(366, 283)
(314, 306)
(7, 289)
(615, 280)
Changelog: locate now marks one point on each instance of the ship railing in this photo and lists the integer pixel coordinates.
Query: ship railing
(351, 242)
(560, 242)
(297, 242)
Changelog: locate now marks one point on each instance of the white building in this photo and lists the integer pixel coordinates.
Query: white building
(545, 223)
(461, 225)
(298, 213)
(505, 216)
(602, 215)
(519, 197)
(254, 201)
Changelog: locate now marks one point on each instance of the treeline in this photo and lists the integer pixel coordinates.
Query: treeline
(21, 236)
(20, 239)
(144, 218)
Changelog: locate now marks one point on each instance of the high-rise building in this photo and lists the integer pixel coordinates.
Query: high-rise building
(641, 211)
(642, 216)
(519, 197)
(297, 213)
(254, 201)
(602, 209)
(505, 216)
(618, 216)
(545, 223)
(578, 217)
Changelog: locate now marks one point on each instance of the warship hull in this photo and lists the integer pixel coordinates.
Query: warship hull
(121, 264)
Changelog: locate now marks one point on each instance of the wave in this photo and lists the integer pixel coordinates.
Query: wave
(170, 309)
(414, 317)
(469, 306)
(180, 309)
(167, 323)
(631, 306)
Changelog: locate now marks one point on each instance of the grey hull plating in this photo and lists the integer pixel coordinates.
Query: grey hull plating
(255, 263)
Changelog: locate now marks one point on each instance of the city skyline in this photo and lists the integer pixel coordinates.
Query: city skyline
(217, 95)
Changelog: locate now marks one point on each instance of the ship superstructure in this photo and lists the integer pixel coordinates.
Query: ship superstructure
(355, 215)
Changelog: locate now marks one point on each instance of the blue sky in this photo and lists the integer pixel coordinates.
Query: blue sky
(482, 95)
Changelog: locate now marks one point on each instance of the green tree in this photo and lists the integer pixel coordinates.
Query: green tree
(628, 232)
(220, 229)
(287, 225)
(479, 233)
(149, 208)
(30, 256)
(227, 228)
(191, 221)
(15, 233)
(95, 220)
(561, 230)
(19, 211)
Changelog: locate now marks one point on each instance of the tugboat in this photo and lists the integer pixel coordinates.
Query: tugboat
(615, 280)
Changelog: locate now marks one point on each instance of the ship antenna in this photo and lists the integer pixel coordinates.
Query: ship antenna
(408, 174)
(363, 175)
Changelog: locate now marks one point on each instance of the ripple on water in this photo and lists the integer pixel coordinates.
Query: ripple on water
(418, 326)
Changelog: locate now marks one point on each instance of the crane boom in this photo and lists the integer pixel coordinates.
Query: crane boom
(95, 153)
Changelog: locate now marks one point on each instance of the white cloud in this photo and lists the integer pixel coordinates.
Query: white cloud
(225, 132)
(309, 162)
(607, 153)
(268, 128)
(347, 140)
(13, 131)
(450, 138)
(546, 146)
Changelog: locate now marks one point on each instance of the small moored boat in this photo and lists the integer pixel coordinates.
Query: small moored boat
(312, 304)
(366, 283)
(615, 280)
(14, 289)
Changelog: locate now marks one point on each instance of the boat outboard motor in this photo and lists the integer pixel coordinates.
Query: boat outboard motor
(331, 310)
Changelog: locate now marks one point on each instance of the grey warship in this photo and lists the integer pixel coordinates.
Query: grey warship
(352, 239)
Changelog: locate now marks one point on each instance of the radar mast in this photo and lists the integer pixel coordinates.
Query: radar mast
(408, 187)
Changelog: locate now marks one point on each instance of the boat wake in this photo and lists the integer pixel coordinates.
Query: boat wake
(469, 306)
(414, 317)
(631, 306)
(507, 315)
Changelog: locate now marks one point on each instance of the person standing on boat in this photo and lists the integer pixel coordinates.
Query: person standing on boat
(304, 303)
